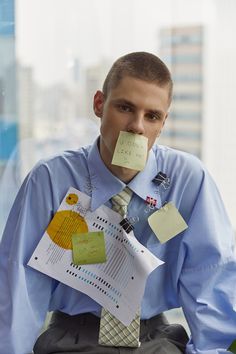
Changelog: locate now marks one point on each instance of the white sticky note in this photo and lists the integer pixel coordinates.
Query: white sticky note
(130, 151)
(167, 222)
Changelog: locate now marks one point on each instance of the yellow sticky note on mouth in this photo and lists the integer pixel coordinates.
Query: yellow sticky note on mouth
(88, 248)
(131, 151)
(167, 222)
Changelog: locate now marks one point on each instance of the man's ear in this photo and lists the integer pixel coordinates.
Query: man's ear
(98, 103)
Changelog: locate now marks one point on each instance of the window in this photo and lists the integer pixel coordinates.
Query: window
(54, 55)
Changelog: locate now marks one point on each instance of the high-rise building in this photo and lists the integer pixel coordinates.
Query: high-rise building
(26, 96)
(8, 105)
(181, 48)
(95, 76)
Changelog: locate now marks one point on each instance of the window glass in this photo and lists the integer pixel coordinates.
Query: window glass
(54, 55)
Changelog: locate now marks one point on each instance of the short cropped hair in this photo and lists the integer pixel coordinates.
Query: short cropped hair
(140, 65)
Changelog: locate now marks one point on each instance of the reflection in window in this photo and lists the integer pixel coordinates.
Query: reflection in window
(54, 56)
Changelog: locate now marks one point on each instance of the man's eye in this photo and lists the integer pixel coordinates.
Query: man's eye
(152, 116)
(124, 108)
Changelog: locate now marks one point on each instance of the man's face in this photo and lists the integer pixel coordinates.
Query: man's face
(134, 106)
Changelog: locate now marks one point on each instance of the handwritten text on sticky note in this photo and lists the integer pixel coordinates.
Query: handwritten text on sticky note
(88, 248)
(131, 151)
(167, 222)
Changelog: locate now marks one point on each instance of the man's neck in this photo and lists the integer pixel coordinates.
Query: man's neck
(124, 174)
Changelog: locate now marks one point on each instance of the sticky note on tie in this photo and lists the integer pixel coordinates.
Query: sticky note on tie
(130, 151)
(167, 222)
(88, 248)
(232, 347)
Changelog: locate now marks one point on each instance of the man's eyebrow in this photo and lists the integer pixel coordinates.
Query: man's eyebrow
(124, 101)
(156, 112)
(131, 104)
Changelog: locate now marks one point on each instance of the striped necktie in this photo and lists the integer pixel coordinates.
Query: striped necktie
(112, 331)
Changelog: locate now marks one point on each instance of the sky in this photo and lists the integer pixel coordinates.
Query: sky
(51, 33)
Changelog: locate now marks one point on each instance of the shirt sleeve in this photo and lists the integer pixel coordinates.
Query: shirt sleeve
(207, 281)
(24, 292)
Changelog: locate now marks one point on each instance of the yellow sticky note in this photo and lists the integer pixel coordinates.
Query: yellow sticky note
(88, 248)
(130, 151)
(167, 222)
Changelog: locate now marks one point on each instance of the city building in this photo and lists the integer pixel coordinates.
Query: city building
(182, 49)
(26, 97)
(95, 76)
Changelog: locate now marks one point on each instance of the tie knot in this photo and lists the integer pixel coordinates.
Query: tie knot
(121, 200)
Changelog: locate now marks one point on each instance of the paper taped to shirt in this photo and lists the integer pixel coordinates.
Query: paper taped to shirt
(119, 283)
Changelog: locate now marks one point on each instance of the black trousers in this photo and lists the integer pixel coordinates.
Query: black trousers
(79, 334)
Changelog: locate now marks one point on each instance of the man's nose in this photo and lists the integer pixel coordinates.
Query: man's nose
(136, 124)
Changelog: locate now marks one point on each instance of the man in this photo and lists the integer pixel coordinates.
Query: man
(199, 267)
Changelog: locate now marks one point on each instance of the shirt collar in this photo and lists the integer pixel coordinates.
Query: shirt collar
(142, 183)
(105, 185)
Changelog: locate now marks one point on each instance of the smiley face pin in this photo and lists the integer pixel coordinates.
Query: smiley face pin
(72, 199)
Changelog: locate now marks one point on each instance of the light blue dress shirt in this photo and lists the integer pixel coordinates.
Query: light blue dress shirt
(199, 273)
